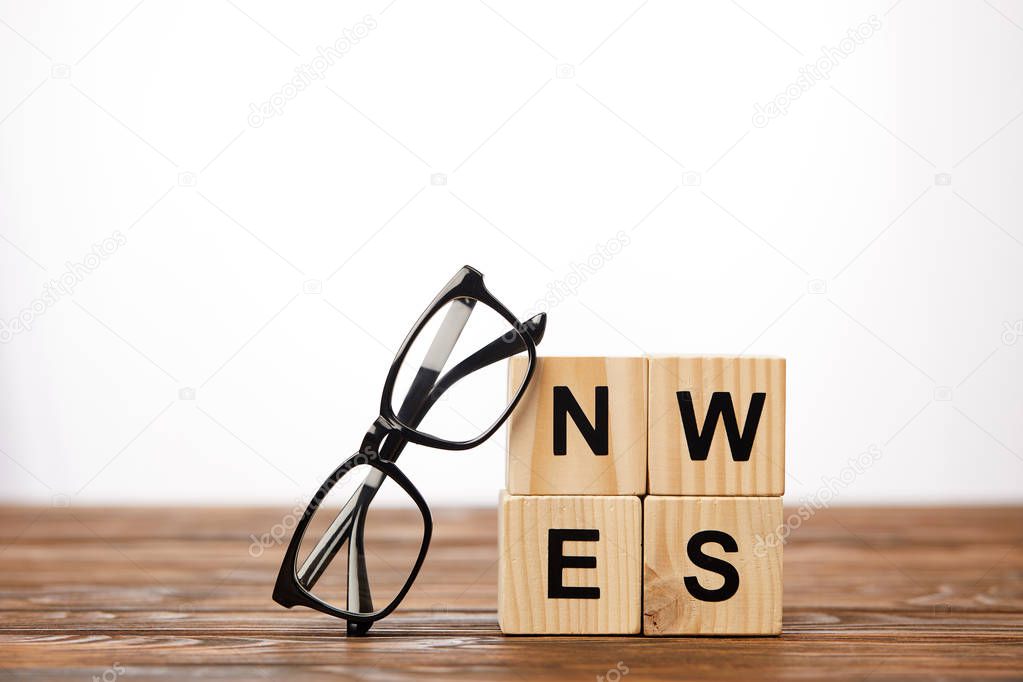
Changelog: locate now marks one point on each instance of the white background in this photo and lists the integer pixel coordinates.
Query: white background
(822, 236)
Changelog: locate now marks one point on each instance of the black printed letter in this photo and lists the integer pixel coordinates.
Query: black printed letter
(557, 562)
(740, 444)
(565, 404)
(695, 551)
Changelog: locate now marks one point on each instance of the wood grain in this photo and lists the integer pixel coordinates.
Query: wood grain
(174, 594)
(523, 604)
(532, 466)
(669, 608)
(671, 469)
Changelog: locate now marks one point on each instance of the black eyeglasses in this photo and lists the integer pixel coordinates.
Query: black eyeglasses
(431, 397)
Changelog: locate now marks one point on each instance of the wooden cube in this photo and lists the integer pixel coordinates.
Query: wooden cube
(581, 428)
(569, 565)
(717, 425)
(712, 566)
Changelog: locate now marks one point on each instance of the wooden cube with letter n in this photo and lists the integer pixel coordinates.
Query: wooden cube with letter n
(581, 428)
(570, 564)
(717, 425)
(712, 566)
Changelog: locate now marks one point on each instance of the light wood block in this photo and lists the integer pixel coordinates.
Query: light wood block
(534, 468)
(675, 467)
(686, 588)
(524, 595)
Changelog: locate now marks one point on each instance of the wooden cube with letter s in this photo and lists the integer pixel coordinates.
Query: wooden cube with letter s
(711, 566)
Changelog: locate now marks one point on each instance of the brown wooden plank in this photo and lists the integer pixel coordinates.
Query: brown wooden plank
(443, 653)
(895, 593)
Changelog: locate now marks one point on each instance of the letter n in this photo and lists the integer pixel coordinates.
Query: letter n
(595, 434)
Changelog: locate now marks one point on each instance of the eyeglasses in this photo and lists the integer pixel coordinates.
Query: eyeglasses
(357, 562)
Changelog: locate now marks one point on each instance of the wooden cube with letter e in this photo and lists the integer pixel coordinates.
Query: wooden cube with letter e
(717, 425)
(581, 428)
(570, 564)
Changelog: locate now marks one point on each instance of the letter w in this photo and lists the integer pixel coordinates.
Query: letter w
(740, 444)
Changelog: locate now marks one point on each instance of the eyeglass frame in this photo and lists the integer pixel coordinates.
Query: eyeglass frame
(387, 437)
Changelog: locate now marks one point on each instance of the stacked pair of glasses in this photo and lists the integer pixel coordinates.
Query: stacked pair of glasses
(347, 558)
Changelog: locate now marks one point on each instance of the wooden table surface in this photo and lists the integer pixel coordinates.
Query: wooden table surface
(138, 594)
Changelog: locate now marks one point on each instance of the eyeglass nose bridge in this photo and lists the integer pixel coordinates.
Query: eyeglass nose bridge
(384, 440)
(375, 435)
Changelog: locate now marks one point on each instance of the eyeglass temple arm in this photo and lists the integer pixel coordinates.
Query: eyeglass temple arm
(340, 529)
(497, 350)
(360, 600)
(412, 409)
(414, 405)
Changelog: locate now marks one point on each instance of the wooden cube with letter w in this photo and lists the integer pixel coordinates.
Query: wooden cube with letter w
(717, 425)
(705, 435)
